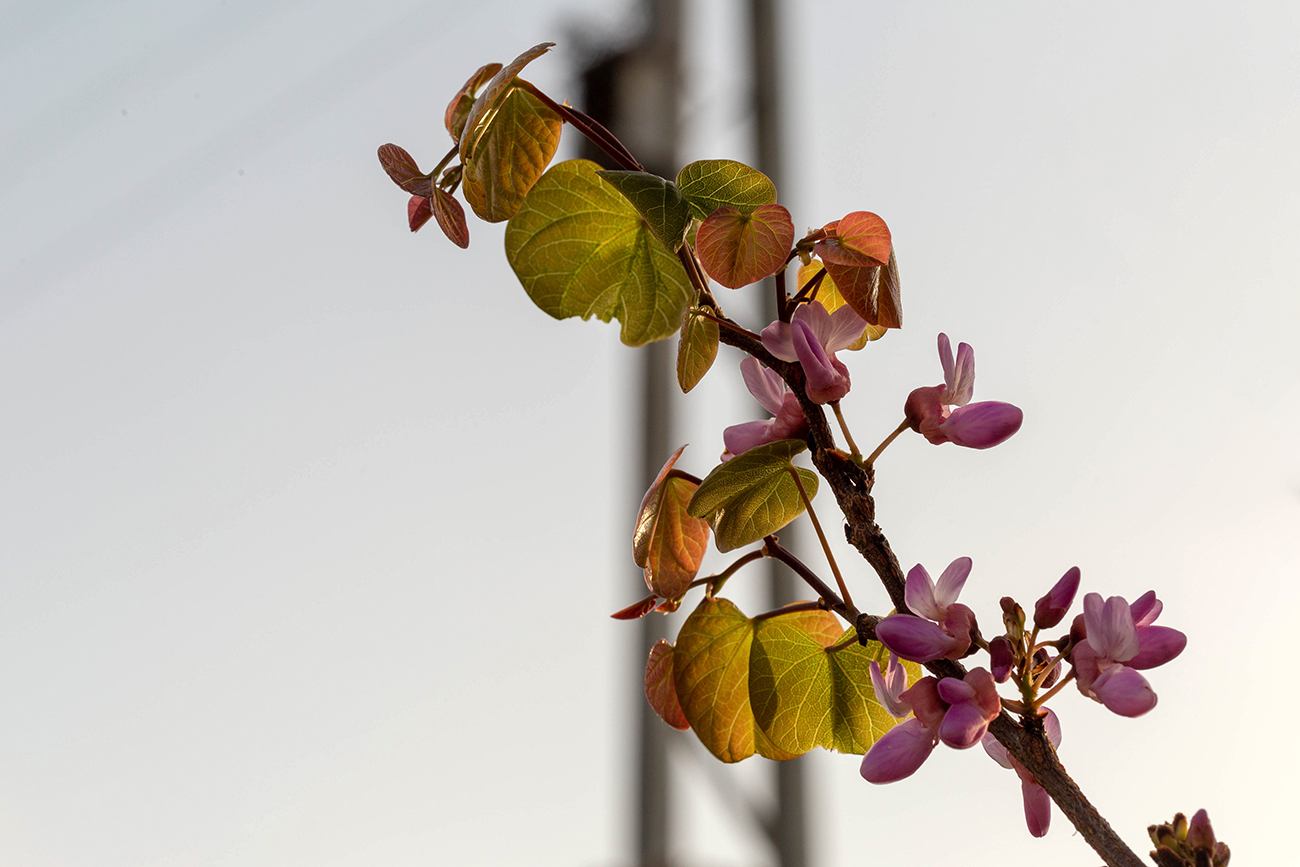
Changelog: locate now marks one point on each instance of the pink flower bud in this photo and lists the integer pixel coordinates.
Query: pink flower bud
(1051, 609)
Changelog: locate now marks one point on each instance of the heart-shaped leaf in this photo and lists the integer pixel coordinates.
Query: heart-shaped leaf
(459, 107)
(696, 350)
(401, 167)
(659, 203)
(753, 494)
(712, 184)
(580, 249)
(711, 673)
(514, 146)
(481, 113)
(660, 690)
(866, 234)
(805, 696)
(668, 542)
(737, 249)
(872, 291)
(451, 217)
(828, 295)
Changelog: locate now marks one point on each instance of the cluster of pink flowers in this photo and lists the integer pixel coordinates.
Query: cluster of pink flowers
(930, 410)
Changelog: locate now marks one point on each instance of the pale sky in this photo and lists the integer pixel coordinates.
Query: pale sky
(311, 527)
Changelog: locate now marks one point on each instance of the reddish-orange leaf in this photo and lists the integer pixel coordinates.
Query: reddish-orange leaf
(451, 217)
(668, 541)
(668, 606)
(458, 108)
(737, 249)
(637, 609)
(872, 290)
(660, 690)
(865, 233)
(418, 212)
(401, 167)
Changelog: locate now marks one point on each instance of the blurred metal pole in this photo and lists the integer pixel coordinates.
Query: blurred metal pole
(790, 824)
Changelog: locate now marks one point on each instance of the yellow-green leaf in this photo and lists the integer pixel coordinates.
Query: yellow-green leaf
(481, 113)
(658, 201)
(711, 673)
(660, 690)
(696, 350)
(514, 147)
(459, 108)
(711, 184)
(737, 249)
(804, 696)
(668, 542)
(753, 494)
(580, 249)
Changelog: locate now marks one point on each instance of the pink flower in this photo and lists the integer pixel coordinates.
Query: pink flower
(812, 337)
(944, 626)
(1119, 641)
(1038, 806)
(930, 411)
(957, 712)
(1049, 610)
(769, 390)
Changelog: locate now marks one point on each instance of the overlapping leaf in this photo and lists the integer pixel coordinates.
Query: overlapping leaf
(480, 117)
(513, 148)
(828, 295)
(451, 217)
(711, 674)
(660, 690)
(737, 249)
(696, 350)
(804, 696)
(659, 203)
(580, 249)
(753, 494)
(668, 542)
(459, 108)
(402, 169)
(853, 255)
(712, 184)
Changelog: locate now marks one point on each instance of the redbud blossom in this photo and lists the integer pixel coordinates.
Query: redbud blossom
(1049, 610)
(1038, 806)
(930, 410)
(770, 391)
(1107, 660)
(812, 337)
(1001, 658)
(944, 626)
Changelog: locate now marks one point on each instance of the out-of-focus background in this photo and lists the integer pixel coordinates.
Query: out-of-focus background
(309, 527)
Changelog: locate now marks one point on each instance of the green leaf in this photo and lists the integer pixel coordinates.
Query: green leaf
(668, 542)
(514, 147)
(660, 690)
(481, 113)
(804, 696)
(696, 350)
(753, 494)
(580, 249)
(712, 184)
(711, 674)
(737, 249)
(659, 203)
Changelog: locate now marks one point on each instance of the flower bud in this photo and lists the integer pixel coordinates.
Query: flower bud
(1040, 659)
(1001, 658)
(1049, 610)
(1013, 617)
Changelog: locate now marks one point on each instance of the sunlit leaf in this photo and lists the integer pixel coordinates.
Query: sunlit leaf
(696, 350)
(481, 113)
(753, 494)
(828, 295)
(866, 234)
(401, 167)
(737, 249)
(872, 291)
(514, 146)
(711, 673)
(712, 184)
(669, 542)
(451, 217)
(660, 690)
(580, 249)
(637, 609)
(418, 212)
(459, 107)
(658, 201)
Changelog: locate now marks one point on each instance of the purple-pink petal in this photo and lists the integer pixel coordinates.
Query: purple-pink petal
(1124, 691)
(963, 725)
(996, 751)
(898, 753)
(1146, 608)
(764, 384)
(982, 425)
(778, 339)
(1038, 807)
(918, 593)
(1156, 646)
(889, 685)
(962, 386)
(1111, 630)
(826, 377)
(949, 585)
(1049, 610)
(945, 360)
(914, 638)
(742, 437)
(1001, 658)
